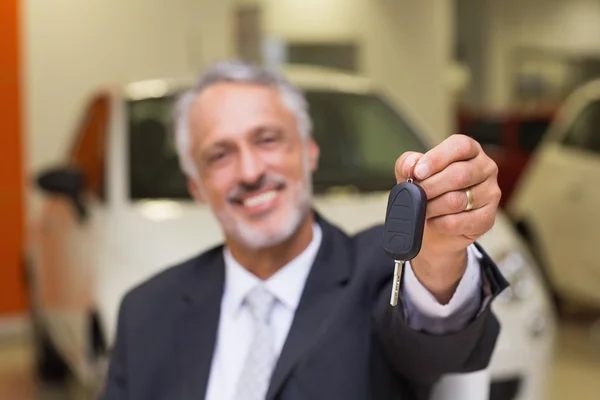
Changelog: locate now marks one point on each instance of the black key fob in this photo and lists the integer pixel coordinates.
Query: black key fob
(405, 221)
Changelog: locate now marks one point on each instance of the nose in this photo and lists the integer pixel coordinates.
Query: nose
(251, 166)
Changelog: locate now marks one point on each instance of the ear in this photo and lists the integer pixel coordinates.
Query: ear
(313, 154)
(196, 191)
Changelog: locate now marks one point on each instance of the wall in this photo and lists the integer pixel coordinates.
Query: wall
(69, 48)
(72, 47)
(569, 26)
(406, 45)
(313, 20)
(472, 34)
(12, 293)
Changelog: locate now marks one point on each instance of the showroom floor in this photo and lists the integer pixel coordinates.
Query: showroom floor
(577, 369)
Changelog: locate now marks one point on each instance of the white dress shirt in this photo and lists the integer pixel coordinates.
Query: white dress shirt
(235, 324)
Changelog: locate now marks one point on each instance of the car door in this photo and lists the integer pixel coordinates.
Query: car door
(577, 209)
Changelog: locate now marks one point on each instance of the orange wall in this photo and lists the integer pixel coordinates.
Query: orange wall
(12, 293)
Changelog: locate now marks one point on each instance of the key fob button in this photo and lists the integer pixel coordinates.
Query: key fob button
(398, 242)
(404, 221)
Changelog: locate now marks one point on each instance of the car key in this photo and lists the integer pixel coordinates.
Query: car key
(404, 225)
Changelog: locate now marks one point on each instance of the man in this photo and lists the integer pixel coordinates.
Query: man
(290, 307)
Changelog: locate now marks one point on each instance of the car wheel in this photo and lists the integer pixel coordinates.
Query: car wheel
(97, 353)
(49, 366)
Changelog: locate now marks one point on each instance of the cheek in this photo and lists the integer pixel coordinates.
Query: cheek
(291, 167)
(290, 160)
(217, 184)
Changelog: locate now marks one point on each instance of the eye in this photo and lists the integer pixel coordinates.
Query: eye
(268, 137)
(216, 156)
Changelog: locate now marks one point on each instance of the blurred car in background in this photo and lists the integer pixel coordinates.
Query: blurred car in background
(509, 138)
(118, 211)
(557, 201)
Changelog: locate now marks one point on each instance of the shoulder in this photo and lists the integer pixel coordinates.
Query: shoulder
(370, 257)
(369, 236)
(368, 243)
(161, 288)
(364, 243)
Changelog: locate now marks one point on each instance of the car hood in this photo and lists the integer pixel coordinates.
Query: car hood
(147, 237)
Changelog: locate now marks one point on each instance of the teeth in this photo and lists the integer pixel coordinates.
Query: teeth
(260, 199)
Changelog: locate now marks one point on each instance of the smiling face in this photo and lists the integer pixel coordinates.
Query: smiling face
(254, 166)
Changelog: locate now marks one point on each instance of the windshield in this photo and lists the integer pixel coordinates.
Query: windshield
(359, 135)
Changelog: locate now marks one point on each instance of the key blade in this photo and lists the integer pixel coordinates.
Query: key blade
(405, 221)
(396, 283)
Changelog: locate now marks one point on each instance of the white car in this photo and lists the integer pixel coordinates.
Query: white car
(124, 213)
(557, 201)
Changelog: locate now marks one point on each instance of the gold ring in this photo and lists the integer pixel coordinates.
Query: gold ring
(469, 199)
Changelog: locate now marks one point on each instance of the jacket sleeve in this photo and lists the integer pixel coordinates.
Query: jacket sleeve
(115, 387)
(427, 314)
(420, 357)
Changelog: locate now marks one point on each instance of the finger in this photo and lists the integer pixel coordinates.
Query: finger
(404, 164)
(472, 223)
(457, 176)
(453, 149)
(455, 202)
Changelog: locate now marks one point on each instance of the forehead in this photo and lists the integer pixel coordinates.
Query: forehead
(231, 107)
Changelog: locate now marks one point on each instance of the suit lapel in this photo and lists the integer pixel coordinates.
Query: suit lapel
(329, 273)
(198, 322)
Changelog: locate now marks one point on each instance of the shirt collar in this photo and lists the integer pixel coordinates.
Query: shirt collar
(286, 284)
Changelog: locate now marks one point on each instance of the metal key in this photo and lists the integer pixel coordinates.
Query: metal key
(404, 224)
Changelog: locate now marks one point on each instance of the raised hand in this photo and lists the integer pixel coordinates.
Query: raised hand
(461, 185)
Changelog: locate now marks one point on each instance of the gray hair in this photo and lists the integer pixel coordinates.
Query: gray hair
(234, 71)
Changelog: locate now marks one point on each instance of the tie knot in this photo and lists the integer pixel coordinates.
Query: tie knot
(260, 301)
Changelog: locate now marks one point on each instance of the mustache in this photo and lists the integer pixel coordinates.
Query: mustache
(265, 181)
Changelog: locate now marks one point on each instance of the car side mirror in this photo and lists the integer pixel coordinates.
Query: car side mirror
(65, 181)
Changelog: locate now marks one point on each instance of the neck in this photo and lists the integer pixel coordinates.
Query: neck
(267, 261)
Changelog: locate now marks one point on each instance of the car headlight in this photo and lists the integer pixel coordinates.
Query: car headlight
(513, 266)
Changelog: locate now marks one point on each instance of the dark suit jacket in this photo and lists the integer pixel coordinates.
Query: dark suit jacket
(346, 342)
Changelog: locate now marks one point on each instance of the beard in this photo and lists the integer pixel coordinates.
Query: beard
(257, 238)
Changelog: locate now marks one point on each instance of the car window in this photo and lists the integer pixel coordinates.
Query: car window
(584, 132)
(359, 135)
(378, 134)
(88, 150)
(154, 164)
(328, 132)
(530, 132)
(486, 131)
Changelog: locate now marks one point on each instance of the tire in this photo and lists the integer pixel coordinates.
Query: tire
(99, 355)
(49, 366)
